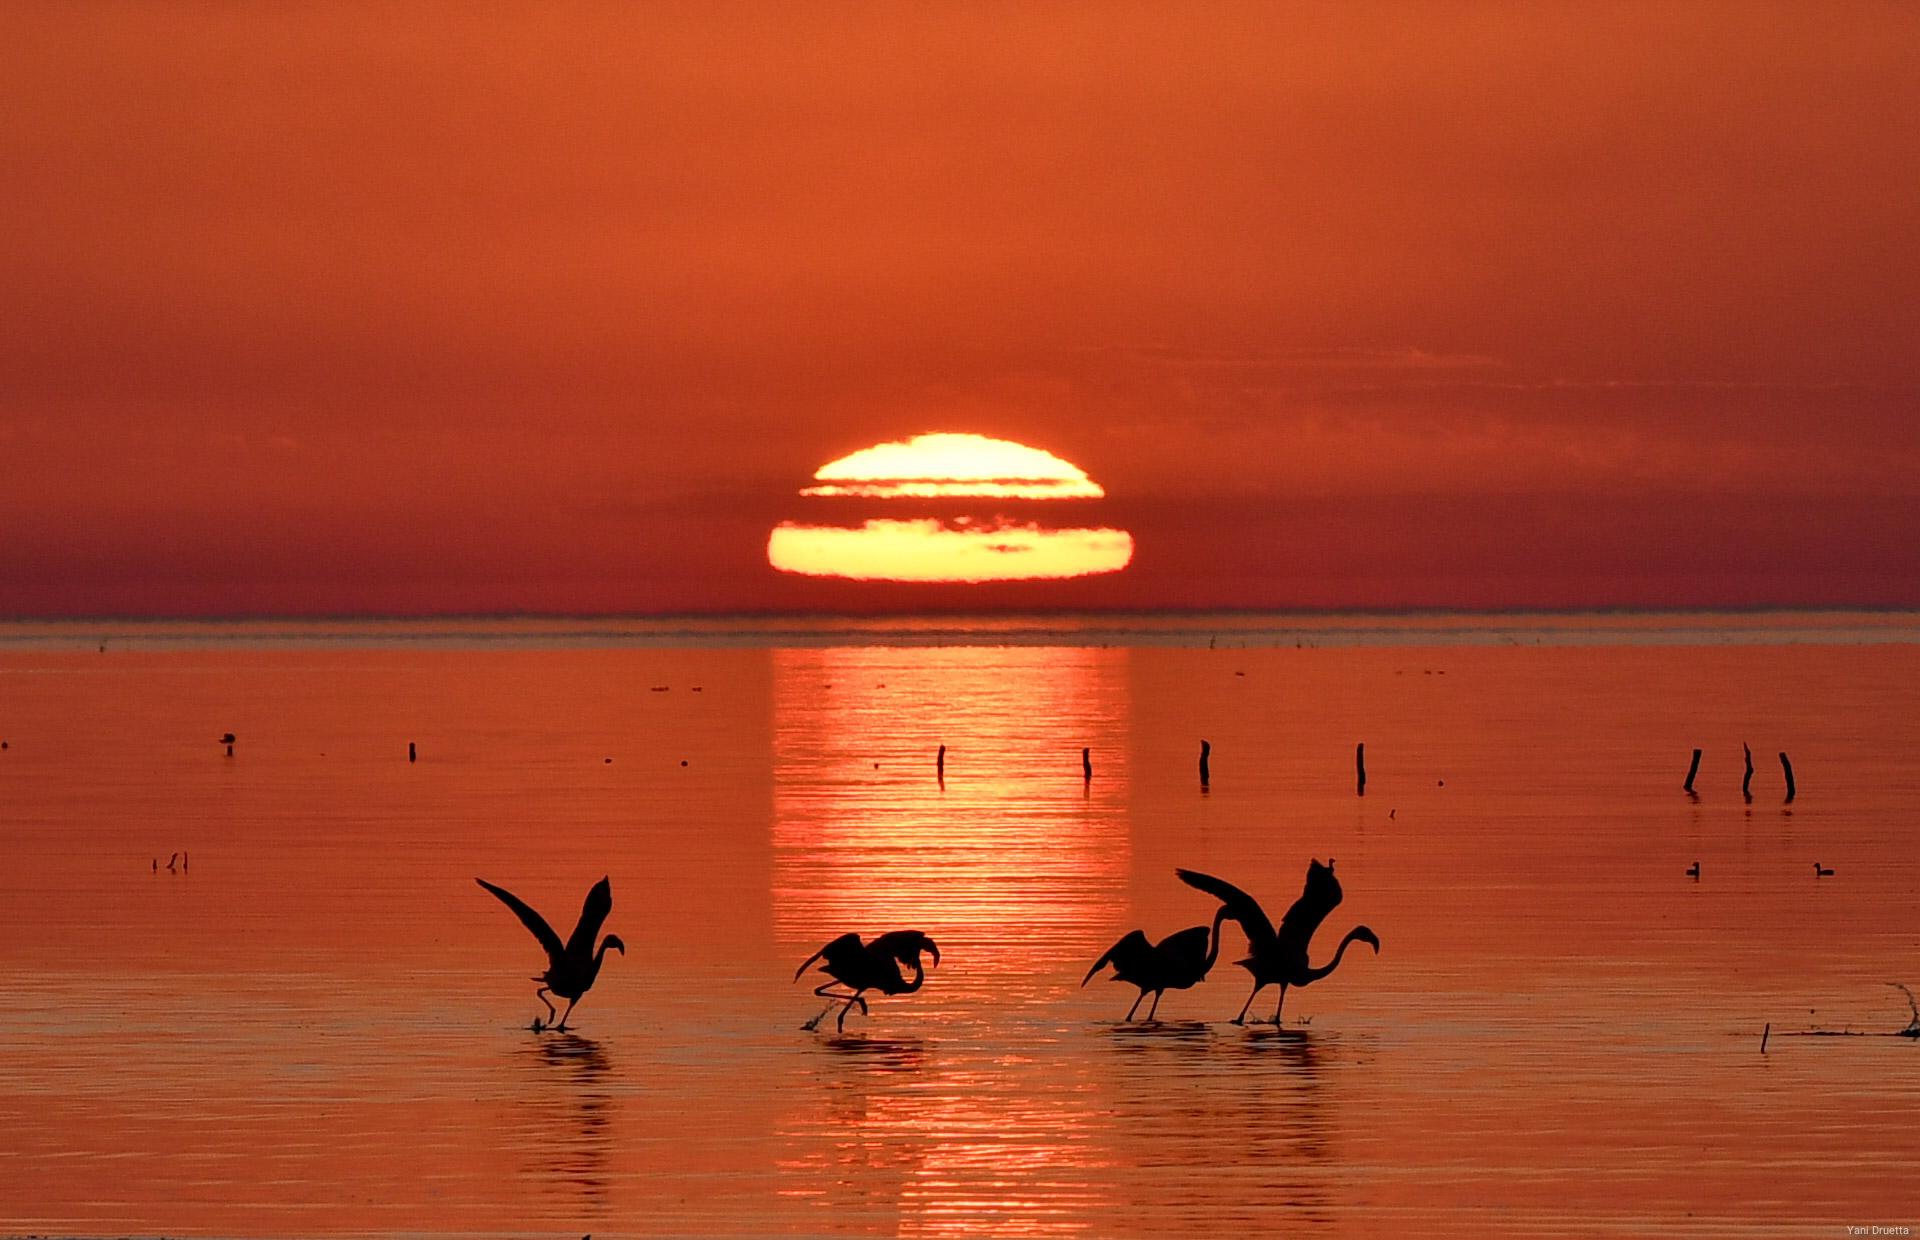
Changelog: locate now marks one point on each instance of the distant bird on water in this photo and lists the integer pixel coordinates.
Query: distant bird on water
(1820, 871)
(1693, 871)
(1280, 957)
(1177, 962)
(861, 967)
(571, 966)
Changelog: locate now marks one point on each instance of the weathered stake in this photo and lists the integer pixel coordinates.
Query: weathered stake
(1086, 764)
(1205, 749)
(1746, 781)
(1787, 768)
(1692, 771)
(1360, 769)
(413, 755)
(1763, 1037)
(940, 766)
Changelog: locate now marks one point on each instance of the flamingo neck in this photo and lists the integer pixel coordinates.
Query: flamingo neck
(1213, 952)
(919, 977)
(1314, 975)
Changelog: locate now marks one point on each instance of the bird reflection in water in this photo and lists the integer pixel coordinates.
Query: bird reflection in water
(858, 1145)
(1269, 1093)
(568, 1118)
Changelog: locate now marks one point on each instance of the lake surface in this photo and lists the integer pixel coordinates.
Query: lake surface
(321, 1027)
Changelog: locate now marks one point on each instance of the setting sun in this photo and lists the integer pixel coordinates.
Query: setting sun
(1001, 543)
(959, 465)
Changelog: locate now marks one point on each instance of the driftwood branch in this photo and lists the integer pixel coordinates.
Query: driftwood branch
(1692, 770)
(1746, 781)
(1912, 1029)
(1787, 768)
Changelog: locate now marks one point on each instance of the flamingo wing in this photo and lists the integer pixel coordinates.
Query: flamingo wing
(593, 914)
(532, 920)
(1188, 946)
(1126, 956)
(1241, 907)
(840, 953)
(1319, 897)
(905, 946)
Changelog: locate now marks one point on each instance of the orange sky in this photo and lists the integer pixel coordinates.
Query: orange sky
(311, 308)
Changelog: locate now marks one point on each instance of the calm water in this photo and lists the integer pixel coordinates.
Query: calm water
(321, 1028)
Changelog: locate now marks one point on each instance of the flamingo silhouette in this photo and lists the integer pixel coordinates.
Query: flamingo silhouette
(861, 967)
(571, 966)
(1280, 957)
(1179, 961)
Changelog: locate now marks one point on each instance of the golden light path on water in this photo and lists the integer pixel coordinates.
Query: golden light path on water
(1002, 876)
(989, 544)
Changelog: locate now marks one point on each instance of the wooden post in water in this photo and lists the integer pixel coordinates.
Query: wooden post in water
(940, 766)
(1205, 749)
(1360, 769)
(1787, 768)
(413, 755)
(1086, 764)
(1746, 781)
(1692, 771)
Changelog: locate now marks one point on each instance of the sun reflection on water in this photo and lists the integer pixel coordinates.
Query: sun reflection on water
(1013, 864)
(1009, 854)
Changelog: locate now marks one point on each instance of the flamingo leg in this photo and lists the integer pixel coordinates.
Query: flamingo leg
(1156, 1003)
(1134, 1008)
(1279, 1005)
(1242, 1018)
(828, 992)
(562, 1026)
(541, 994)
(841, 1024)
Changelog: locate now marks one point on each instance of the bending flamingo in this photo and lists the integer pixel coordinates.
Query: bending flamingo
(860, 967)
(1180, 960)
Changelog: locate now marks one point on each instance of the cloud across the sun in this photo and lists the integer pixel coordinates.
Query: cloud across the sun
(1002, 535)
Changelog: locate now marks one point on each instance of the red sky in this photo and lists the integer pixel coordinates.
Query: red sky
(368, 308)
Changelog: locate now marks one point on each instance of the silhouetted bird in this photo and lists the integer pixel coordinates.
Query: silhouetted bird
(1281, 957)
(571, 966)
(1179, 961)
(1693, 871)
(861, 967)
(1820, 871)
